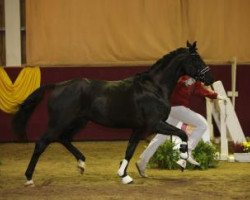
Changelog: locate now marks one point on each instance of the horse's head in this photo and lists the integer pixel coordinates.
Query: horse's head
(195, 67)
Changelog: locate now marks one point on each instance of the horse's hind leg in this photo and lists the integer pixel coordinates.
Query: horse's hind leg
(66, 137)
(78, 155)
(40, 147)
(133, 142)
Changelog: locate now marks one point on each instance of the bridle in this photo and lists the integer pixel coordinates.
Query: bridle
(200, 76)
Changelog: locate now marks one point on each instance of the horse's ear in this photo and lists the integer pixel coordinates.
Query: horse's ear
(188, 44)
(194, 45)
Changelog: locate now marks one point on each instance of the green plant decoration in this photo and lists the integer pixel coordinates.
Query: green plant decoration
(165, 157)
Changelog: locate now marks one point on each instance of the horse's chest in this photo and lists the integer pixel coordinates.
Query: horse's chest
(163, 108)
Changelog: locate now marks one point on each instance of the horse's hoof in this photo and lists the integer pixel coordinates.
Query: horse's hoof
(81, 166)
(29, 183)
(182, 163)
(127, 180)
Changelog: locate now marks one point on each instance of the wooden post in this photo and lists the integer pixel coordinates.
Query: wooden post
(12, 31)
(223, 132)
(209, 108)
(233, 93)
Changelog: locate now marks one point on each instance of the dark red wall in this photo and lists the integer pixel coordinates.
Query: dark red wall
(38, 121)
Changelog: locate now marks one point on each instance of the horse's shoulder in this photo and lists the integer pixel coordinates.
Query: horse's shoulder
(148, 86)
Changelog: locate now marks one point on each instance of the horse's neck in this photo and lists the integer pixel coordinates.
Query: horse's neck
(167, 78)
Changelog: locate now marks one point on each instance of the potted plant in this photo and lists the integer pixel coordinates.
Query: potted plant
(242, 152)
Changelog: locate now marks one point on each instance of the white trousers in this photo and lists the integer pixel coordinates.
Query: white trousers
(180, 114)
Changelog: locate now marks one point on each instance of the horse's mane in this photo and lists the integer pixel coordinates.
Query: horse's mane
(162, 62)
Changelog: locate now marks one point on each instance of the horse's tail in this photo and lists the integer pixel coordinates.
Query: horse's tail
(25, 110)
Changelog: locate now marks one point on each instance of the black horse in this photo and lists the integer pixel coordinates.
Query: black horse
(140, 102)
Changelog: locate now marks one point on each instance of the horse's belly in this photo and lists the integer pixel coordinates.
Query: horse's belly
(117, 121)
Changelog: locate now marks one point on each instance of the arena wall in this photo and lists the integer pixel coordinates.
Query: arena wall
(93, 131)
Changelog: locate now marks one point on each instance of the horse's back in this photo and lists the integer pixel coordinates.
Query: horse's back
(113, 103)
(67, 96)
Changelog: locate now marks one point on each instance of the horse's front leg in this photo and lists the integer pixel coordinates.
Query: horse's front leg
(133, 142)
(168, 129)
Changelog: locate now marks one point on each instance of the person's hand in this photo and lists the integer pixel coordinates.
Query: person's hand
(189, 82)
(220, 97)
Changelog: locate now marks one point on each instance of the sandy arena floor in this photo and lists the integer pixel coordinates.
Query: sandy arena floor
(56, 176)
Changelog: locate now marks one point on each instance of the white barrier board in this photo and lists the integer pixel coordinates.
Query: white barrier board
(231, 119)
